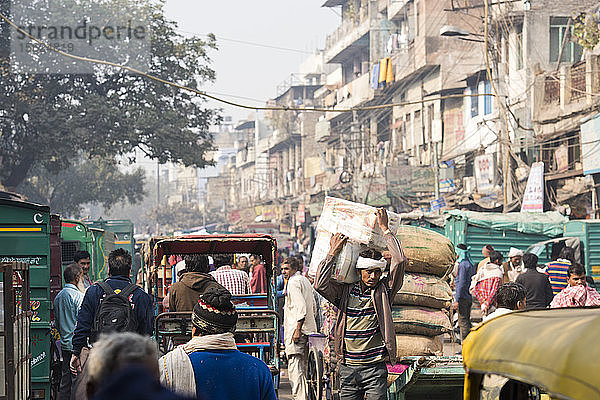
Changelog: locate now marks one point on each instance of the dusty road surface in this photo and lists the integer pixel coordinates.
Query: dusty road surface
(285, 390)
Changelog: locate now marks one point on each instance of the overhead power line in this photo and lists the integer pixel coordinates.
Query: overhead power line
(268, 46)
(231, 103)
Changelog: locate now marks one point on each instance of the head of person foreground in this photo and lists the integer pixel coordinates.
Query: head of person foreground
(510, 297)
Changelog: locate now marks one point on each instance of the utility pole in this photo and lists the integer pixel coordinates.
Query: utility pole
(157, 184)
(504, 141)
(436, 168)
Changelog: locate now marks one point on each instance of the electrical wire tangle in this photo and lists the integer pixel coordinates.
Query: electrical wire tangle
(221, 100)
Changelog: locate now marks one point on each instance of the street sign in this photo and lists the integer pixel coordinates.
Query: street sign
(533, 198)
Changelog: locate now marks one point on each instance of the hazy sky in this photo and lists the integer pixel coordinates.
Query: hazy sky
(247, 70)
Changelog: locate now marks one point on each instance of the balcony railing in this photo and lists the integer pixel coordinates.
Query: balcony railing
(568, 91)
(349, 31)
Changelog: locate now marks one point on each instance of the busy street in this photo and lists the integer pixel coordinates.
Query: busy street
(316, 200)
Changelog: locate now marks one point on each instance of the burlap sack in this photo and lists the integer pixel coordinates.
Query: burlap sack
(420, 321)
(415, 345)
(424, 290)
(427, 251)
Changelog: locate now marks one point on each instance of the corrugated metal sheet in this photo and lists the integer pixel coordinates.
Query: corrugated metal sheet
(588, 231)
(459, 231)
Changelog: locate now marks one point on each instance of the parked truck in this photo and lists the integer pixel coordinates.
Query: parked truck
(503, 231)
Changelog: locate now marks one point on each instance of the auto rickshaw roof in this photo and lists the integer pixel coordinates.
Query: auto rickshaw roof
(252, 243)
(556, 350)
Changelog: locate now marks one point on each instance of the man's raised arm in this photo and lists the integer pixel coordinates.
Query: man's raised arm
(326, 286)
(398, 262)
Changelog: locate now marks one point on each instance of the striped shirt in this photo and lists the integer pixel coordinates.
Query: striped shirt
(557, 274)
(363, 341)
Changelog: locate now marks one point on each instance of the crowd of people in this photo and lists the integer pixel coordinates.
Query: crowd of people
(105, 326)
(518, 283)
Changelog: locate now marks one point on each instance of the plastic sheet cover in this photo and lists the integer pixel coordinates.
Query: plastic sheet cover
(550, 223)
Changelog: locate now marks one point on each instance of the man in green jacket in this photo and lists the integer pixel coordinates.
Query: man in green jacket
(364, 334)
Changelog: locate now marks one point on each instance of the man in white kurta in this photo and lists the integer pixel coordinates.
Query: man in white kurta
(298, 322)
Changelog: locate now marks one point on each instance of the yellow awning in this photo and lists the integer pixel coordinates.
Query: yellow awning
(557, 350)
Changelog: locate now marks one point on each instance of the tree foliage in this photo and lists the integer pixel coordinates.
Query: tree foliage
(96, 180)
(48, 120)
(586, 30)
(176, 217)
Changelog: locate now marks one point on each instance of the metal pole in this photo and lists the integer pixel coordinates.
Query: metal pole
(436, 169)
(353, 153)
(157, 184)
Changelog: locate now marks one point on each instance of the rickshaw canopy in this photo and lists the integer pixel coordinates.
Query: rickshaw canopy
(556, 350)
(253, 243)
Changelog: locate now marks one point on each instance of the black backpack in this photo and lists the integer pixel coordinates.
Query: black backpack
(114, 314)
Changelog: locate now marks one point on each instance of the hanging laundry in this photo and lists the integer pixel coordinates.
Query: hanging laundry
(375, 76)
(382, 70)
(390, 43)
(389, 77)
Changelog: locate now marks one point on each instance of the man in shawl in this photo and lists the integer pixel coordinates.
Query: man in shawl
(210, 366)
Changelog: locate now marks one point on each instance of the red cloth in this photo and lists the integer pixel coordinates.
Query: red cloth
(576, 296)
(485, 291)
(258, 284)
(236, 281)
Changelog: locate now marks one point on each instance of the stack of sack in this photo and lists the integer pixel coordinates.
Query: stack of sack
(420, 308)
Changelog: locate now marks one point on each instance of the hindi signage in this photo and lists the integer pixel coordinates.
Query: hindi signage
(533, 199)
(485, 173)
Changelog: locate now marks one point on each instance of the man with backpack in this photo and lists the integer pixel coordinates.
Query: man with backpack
(112, 305)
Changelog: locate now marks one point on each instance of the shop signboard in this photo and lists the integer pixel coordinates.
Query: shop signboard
(406, 179)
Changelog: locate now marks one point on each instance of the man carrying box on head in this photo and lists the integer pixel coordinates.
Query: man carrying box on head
(364, 333)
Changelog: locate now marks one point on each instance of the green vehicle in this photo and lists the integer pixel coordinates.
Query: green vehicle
(503, 231)
(123, 229)
(25, 235)
(582, 235)
(99, 243)
(104, 243)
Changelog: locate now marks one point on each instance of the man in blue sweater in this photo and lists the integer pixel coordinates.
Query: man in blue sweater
(462, 297)
(210, 366)
(119, 264)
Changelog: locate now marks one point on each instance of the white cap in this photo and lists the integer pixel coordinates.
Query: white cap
(369, 263)
(514, 252)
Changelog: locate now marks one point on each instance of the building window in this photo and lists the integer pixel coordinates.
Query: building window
(474, 101)
(519, 51)
(487, 100)
(558, 29)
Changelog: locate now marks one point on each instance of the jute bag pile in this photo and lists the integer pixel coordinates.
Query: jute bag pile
(420, 307)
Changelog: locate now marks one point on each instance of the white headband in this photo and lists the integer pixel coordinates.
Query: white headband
(514, 252)
(369, 263)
